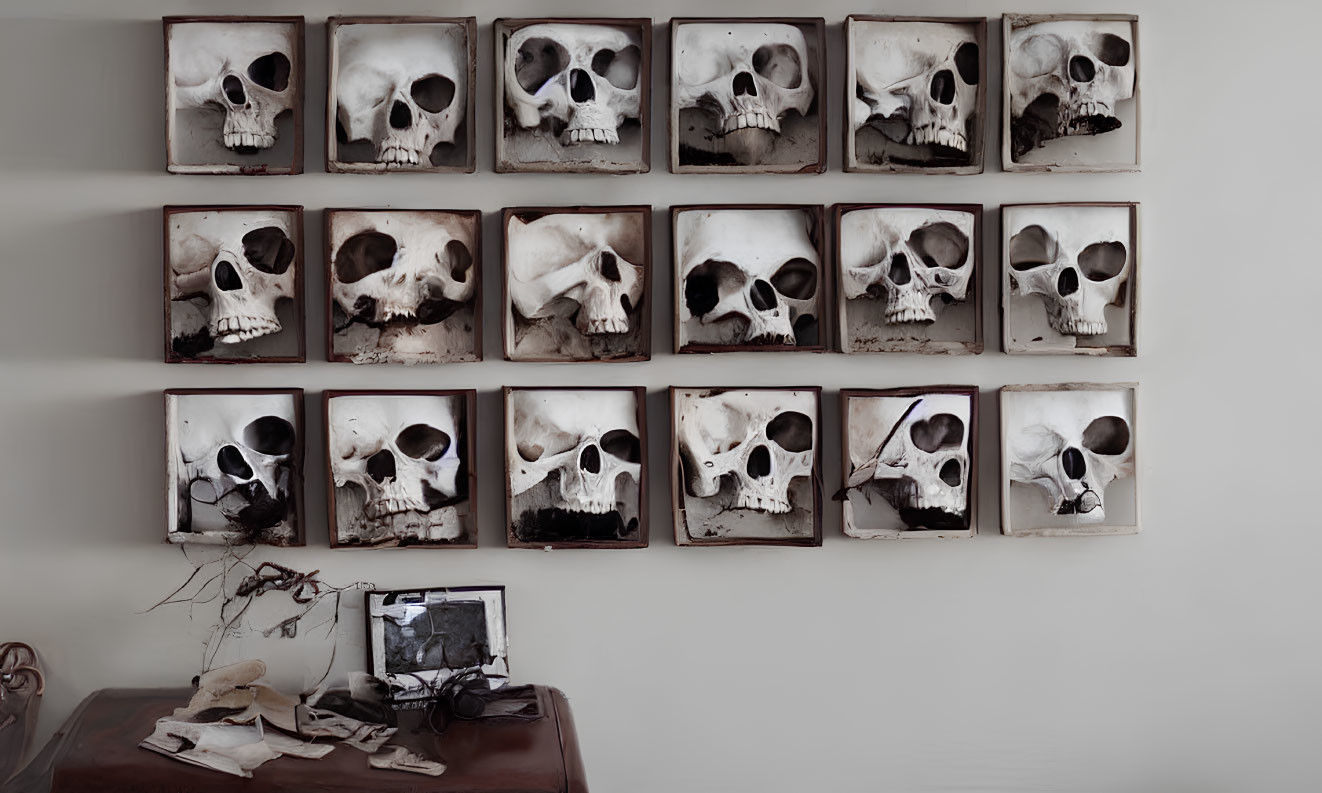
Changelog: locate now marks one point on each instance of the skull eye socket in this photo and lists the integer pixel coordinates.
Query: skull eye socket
(942, 431)
(1112, 50)
(791, 431)
(1032, 247)
(1037, 56)
(269, 435)
(540, 59)
(702, 286)
(268, 249)
(461, 260)
(363, 254)
(1103, 261)
(621, 69)
(433, 93)
(270, 71)
(796, 279)
(940, 245)
(622, 444)
(951, 473)
(423, 442)
(778, 63)
(1107, 435)
(552, 442)
(966, 62)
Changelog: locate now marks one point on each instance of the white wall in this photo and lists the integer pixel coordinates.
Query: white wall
(1183, 659)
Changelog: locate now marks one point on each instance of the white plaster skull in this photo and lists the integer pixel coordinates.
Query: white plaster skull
(586, 439)
(1076, 258)
(583, 78)
(917, 82)
(1072, 444)
(760, 440)
(916, 448)
(747, 276)
(570, 263)
(402, 86)
(908, 255)
(245, 69)
(241, 261)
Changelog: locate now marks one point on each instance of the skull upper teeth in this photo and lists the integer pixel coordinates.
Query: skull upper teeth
(256, 140)
(750, 501)
(756, 119)
(941, 136)
(234, 329)
(593, 506)
(592, 136)
(397, 155)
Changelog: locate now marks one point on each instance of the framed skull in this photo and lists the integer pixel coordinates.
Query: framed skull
(1069, 278)
(749, 277)
(910, 462)
(401, 469)
(576, 467)
(1071, 93)
(576, 282)
(747, 95)
(573, 95)
(400, 94)
(907, 277)
(915, 94)
(745, 466)
(1068, 459)
(404, 286)
(234, 94)
(234, 284)
(234, 466)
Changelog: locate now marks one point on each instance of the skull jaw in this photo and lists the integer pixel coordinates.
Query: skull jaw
(920, 508)
(235, 327)
(1072, 321)
(407, 527)
(909, 306)
(592, 123)
(247, 133)
(546, 514)
(1086, 507)
(1045, 119)
(244, 514)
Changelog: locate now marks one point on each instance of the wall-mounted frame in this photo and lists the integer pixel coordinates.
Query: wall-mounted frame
(401, 468)
(403, 285)
(400, 95)
(909, 462)
(747, 95)
(573, 95)
(1069, 278)
(576, 283)
(233, 284)
(234, 466)
(750, 278)
(1069, 462)
(234, 94)
(915, 94)
(576, 467)
(1070, 93)
(745, 465)
(908, 277)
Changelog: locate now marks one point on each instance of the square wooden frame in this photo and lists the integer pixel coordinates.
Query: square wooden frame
(332, 75)
(502, 27)
(825, 285)
(469, 397)
(640, 399)
(328, 216)
(299, 79)
(970, 391)
(974, 296)
(644, 307)
(1011, 21)
(300, 429)
(1129, 350)
(979, 146)
(1006, 528)
(818, 27)
(300, 295)
(677, 486)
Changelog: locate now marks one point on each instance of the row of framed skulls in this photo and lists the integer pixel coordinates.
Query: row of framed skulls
(746, 95)
(404, 286)
(745, 465)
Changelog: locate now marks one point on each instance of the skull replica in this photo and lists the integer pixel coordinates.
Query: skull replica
(917, 82)
(573, 285)
(748, 277)
(746, 78)
(404, 283)
(1068, 78)
(403, 87)
(241, 68)
(909, 256)
(236, 266)
(234, 461)
(582, 81)
(1076, 258)
(396, 462)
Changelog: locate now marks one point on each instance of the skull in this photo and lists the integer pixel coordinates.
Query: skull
(1068, 78)
(582, 79)
(399, 457)
(917, 82)
(242, 68)
(405, 274)
(1076, 258)
(238, 264)
(749, 277)
(1072, 444)
(908, 255)
(402, 86)
(234, 464)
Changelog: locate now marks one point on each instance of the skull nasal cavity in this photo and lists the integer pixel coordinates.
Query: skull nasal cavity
(233, 89)
(1082, 69)
(1072, 460)
(381, 466)
(227, 278)
(943, 87)
(580, 86)
(759, 463)
(230, 460)
(400, 117)
(744, 85)
(899, 272)
(610, 268)
(1068, 282)
(764, 297)
(590, 460)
